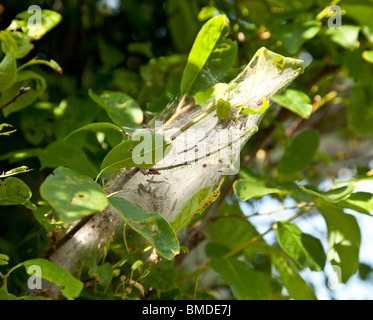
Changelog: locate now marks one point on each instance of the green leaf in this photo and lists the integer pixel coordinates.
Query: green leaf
(63, 154)
(360, 201)
(295, 101)
(301, 247)
(35, 30)
(223, 110)
(51, 64)
(120, 107)
(299, 152)
(202, 97)
(4, 295)
(368, 55)
(53, 273)
(72, 195)
(297, 288)
(157, 280)
(195, 205)
(24, 79)
(3, 259)
(246, 283)
(346, 36)
(143, 154)
(207, 13)
(293, 35)
(334, 195)
(231, 232)
(182, 23)
(210, 58)
(152, 226)
(264, 106)
(360, 104)
(362, 13)
(344, 239)
(8, 65)
(110, 55)
(103, 273)
(248, 189)
(24, 45)
(13, 191)
(104, 127)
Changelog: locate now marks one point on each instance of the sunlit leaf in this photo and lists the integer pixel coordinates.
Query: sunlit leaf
(71, 287)
(13, 191)
(296, 286)
(50, 63)
(36, 30)
(141, 153)
(359, 201)
(72, 195)
(248, 189)
(210, 58)
(120, 107)
(4, 295)
(334, 195)
(302, 247)
(3, 259)
(8, 66)
(346, 36)
(195, 205)
(295, 101)
(152, 226)
(293, 35)
(344, 240)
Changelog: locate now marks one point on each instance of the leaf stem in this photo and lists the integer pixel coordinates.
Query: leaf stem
(5, 277)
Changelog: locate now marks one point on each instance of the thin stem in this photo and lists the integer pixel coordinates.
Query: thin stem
(5, 277)
(22, 91)
(125, 238)
(193, 274)
(181, 103)
(196, 289)
(177, 114)
(248, 243)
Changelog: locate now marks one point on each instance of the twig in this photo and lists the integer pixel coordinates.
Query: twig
(22, 91)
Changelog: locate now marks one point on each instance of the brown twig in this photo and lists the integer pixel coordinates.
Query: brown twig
(22, 91)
